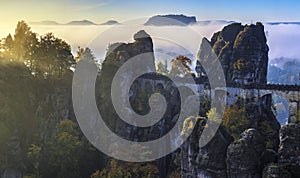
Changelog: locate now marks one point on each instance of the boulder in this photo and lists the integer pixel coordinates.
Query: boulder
(289, 148)
(243, 155)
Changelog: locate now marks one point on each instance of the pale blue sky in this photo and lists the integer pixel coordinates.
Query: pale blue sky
(102, 10)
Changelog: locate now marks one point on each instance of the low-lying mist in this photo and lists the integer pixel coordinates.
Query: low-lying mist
(283, 39)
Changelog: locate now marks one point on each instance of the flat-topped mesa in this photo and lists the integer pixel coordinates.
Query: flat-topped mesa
(171, 20)
(242, 51)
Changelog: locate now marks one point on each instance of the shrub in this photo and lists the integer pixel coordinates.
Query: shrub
(235, 120)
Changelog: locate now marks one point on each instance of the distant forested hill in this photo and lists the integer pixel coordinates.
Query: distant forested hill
(284, 72)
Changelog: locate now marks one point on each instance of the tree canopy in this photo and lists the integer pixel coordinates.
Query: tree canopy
(180, 66)
(46, 56)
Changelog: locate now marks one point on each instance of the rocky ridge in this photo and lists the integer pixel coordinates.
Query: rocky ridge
(242, 51)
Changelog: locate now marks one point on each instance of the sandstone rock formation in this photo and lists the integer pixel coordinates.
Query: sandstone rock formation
(247, 156)
(289, 149)
(275, 171)
(288, 164)
(264, 121)
(117, 55)
(243, 155)
(208, 161)
(242, 51)
(254, 153)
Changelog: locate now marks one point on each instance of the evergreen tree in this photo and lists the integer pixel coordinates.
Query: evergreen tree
(55, 56)
(7, 47)
(20, 43)
(162, 67)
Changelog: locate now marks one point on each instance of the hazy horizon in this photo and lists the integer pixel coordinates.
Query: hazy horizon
(283, 40)
(100, 11)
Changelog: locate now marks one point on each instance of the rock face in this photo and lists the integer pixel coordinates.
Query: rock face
(117, 55)
(275, 171)
(289, 149)
(264, 121)
(242, 51)
(264, 149)
(256, 147)
(140, 91)
(175, 20)
(243, 155)
(288, 165)
(208, 161)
